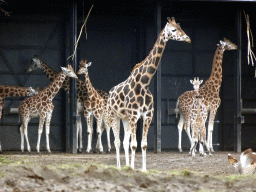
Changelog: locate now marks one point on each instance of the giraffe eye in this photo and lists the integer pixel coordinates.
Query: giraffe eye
(174, 30)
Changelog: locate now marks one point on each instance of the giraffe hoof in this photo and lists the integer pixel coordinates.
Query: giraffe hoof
(108, 151)
(88, 152)
(79, 151)
(100, 152)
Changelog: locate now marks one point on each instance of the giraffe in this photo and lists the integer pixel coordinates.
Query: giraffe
(41, 106)
(13, 91)
(82, 96)
(209, 91)
(198, 117)
(96, 105)
(131, 99)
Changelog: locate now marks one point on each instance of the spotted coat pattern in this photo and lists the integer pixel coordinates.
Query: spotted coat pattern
(41, 106)
(209, 91)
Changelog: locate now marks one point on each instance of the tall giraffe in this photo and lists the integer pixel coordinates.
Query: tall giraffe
(82, 96)
(96, 105)
(209, 91)
(198, 117)
(131, 99)
(13, 91)
(41, 106)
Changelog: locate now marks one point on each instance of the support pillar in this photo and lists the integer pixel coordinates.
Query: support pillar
(73, 86)
(237, 81)
(157, 89)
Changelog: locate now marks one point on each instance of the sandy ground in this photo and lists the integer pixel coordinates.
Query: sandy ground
(167, 171)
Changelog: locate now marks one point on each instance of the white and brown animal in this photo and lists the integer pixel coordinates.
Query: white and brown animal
(209, 91)
(131, 99)
(13, 91)
(96, 105)
(41, 106)
(198, 119)
(247, 163)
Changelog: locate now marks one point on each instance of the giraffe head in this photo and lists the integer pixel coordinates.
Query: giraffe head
(69, 71)
(32, 91)
(227, 45)
(196, 83)
(173, 31)
(83, 68)
(35, 63)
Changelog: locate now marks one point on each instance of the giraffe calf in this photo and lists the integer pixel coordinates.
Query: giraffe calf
(198, 119)
(198, 116)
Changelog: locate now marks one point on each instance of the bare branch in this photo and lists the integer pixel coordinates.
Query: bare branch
(2, 10)
(85, 21)
(250, 55)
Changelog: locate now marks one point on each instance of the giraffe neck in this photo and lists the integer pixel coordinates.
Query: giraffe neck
(54, 86)
(144, 71)
(88, 84)
(51, 74)
(215, 78)
(13, 91)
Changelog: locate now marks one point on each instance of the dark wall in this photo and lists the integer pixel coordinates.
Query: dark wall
(118, 37)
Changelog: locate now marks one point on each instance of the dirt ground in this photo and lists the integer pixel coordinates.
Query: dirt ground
(167, 171)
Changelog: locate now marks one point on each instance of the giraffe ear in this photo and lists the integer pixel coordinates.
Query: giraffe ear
(63, 68)
(191, 81)
(201, 81)
(89, 64)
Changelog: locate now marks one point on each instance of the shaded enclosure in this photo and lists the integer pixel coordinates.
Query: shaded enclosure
(119, 36)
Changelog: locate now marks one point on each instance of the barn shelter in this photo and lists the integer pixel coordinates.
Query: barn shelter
(119, 35)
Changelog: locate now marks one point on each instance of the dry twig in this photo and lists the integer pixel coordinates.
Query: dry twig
(250, 55)
(1, 9)
(85, 21)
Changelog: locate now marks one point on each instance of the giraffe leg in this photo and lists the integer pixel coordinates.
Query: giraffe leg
(126, 141)
(79, 133)
(133, 127)
(22, 138)
(144, 142)
(40, 131)
(25, 132)
(108, 138)
(99, 133)
(116, 130)
(180, 128)
(187, 129)
(106, 125)
(47, 130)
(89, 119)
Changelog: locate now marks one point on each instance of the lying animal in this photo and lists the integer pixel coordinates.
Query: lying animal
(247, 163)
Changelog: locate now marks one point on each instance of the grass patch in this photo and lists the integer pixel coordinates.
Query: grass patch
(234, 178)
(4, 161)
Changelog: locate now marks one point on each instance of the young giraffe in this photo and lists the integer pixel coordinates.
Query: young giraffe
(131, 99)
(13, 91)
(198, 118)
(41, 106)
(96, 105)
(82, 96)
(209, 91)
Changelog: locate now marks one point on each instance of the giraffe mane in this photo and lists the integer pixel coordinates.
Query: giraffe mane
(139, 64)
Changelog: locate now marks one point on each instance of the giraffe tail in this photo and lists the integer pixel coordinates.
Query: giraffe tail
(177, 108)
